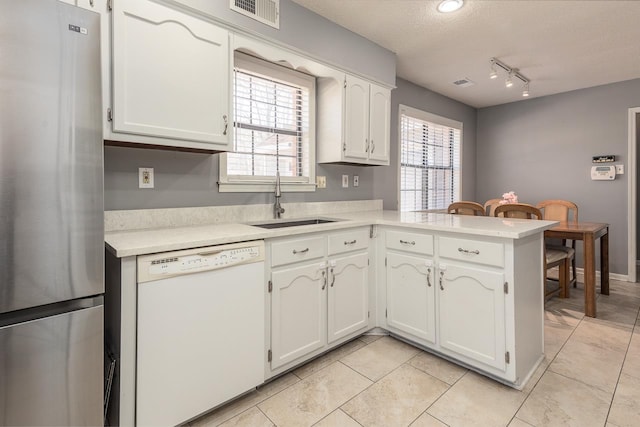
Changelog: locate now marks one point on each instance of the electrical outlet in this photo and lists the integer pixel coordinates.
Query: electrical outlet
(356, 180)
(619, 169)
(145, 177)
(321, 181)
(345, 181)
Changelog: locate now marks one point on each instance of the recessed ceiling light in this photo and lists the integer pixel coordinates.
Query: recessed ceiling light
(447, 6)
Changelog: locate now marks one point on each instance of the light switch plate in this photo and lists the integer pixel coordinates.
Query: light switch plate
(321, 181)
(345, 181)
(356, 180)
(145, 177)
(619, 169)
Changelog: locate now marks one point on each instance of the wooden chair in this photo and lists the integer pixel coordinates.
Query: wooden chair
(517, 210)
(466, 208)
(490, 206)
(565, 211)
(553, 257)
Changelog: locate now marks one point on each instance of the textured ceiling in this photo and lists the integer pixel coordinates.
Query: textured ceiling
(558, 45)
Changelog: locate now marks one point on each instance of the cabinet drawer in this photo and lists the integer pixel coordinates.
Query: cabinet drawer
(477, 251)
(410, 242)
(294, 250)
(348, 241)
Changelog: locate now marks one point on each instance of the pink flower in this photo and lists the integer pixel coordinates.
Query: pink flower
(509, 197)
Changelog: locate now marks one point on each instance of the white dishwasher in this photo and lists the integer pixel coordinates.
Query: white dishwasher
(200, 330)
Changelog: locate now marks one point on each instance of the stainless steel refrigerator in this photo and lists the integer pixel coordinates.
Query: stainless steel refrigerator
(51, 215)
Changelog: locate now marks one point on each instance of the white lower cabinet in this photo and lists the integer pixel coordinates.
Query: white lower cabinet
(474, 299)
(316, 304)
(411, 295)
(348, 297)
(472, 313)
(298, 307)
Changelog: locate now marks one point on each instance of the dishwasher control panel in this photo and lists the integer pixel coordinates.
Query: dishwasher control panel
(159, 266)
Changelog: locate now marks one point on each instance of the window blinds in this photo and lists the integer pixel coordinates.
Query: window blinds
(429, 165)
(271, 127)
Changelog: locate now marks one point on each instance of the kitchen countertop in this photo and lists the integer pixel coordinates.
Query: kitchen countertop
(126, 243)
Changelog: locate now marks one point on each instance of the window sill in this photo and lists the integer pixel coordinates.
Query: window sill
(267, 187)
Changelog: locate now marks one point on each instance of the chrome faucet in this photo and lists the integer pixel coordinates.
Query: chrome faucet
(277, 209)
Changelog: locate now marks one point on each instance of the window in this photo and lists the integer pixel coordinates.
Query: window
(429, 160)
(273, 110)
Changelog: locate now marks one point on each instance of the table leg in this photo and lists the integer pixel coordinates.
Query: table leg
(589, 276)
(604, 263)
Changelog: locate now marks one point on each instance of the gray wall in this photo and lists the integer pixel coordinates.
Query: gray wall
(311, 33)
(541, 148)
(407, 93)
(189, 179)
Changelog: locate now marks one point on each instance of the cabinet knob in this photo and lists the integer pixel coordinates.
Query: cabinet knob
(428, 277)
(352, 242)
(226, 124)
(366, 141)
(333, 278)
(324, 279)
(406, 242)
(303, 251)
(441, 276)
(373, 146)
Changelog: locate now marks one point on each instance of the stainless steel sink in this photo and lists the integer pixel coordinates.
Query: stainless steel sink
(295, 223)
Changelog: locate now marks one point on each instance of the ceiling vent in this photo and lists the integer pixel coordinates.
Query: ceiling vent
(265, 11)
(464, 82)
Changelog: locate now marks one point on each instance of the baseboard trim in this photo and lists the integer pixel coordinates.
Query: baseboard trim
(613, 276)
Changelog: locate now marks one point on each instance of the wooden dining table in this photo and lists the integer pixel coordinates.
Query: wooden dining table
(588, 232)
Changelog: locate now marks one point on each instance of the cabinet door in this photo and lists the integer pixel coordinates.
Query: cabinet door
(472, 313)
(298, 312)
(171, 74)
(348, 298)
(379, 124)
(411, 295)
(356, 119)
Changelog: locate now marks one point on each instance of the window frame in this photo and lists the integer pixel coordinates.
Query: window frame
(435, 119)
(245, 183)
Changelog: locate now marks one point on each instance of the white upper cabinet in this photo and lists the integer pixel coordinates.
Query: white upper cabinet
(356, 119)
(379, 124)
(171, 77)
(353, 121)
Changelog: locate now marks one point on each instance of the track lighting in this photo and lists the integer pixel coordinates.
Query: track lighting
(511, 74)
(494, 73)
(509, 81)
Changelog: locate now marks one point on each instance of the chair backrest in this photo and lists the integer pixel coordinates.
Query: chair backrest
(490, 206)
(466, 208)
(559, 210)
(518, 210)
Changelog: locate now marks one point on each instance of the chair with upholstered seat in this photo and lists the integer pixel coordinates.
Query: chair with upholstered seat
(490, 206)
(553, 257)
(466, 208)
(563, 211)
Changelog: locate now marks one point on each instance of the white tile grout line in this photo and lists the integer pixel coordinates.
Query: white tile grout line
(546, 369)
(613, 396)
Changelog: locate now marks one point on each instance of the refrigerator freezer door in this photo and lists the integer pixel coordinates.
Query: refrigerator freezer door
(51, 154)
(51, 370)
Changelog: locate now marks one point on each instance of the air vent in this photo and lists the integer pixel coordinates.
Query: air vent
(265, 11)
(464, 82)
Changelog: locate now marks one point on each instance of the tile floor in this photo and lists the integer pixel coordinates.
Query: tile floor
(590, 377)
